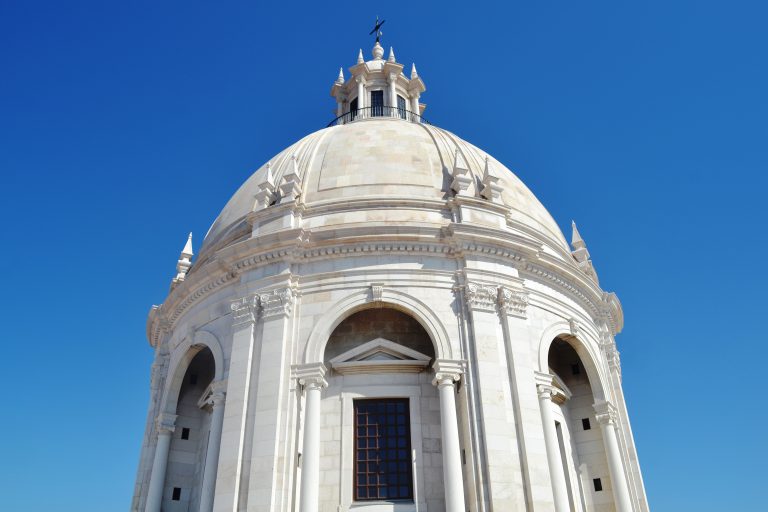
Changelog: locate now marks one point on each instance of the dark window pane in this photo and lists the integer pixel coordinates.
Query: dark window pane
(383, 439)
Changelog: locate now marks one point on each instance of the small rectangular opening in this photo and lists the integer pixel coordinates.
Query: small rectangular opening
(193, 379)
(176, 494)
(185, 433)
(585, 424)
(598, 484)
(575, 369)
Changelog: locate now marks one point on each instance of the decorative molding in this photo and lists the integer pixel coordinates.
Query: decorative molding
(166, 423)
(481, 297)
(513, 302)
(447, 371)
(606, 413)
(159, 370)
(573, 327)
(378, 356)
(311, 375)
(245, 311)
(277, 302)
(377, 292)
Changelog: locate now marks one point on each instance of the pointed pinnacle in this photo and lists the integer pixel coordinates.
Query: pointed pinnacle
(268, 176)
(187, 250)
(414, 73)
(360, 58)
(340, 79)
(391, 57)
(576, 240)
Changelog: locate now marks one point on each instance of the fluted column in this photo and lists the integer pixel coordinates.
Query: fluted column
(606, 417)
(554, 460)
(312, 378)
(214, 443)
(447, 373)
(166, 424)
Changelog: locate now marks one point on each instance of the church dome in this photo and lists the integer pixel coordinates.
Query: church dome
(384, 317)
(383, 158)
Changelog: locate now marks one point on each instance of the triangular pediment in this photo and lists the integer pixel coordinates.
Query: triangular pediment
(380, 356)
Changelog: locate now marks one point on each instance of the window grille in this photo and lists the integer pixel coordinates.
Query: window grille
(383, 468)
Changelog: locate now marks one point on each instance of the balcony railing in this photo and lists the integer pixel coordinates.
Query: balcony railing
(369, 112)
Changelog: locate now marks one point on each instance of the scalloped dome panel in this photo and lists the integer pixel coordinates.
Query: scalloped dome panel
(383, 158)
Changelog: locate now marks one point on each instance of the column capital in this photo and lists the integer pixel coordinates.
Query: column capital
(545, 385)
(447, 371)
(513, 302)
(481, 297)
(166, 423)
(277, 302)
(311, 375)
(218, 393)
(606, 413)
(245, 310)
(611, 354)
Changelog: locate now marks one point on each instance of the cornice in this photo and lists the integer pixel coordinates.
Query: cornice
(453, 240)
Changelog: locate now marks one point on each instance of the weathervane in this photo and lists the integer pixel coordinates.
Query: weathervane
(377, 29)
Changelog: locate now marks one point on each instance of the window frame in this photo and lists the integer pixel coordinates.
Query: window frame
(403, 404)
(358, 389)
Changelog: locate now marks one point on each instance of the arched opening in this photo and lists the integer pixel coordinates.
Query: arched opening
(380, 424)
(370, 324)
(579, 435)
(189, 442)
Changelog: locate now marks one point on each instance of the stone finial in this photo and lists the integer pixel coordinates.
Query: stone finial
(391, 57)
(491, 189)
(360, 58)
(576, 241)
(581, 254)
(266, 194)
(184, 263)
(378, 51)
(461, 178)
(340, 78)
(290, 188)
(414, 73)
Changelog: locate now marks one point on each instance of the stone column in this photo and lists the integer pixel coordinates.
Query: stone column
(415, 107)
(312, 378)
(392, 96)
(166, 424)
(606, 416)
(214, 443)
(360, 92)
(446, 374)
(554, 460)
(339, 105)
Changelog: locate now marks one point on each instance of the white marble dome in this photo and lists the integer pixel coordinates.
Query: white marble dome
(383, 158)
(384, 318)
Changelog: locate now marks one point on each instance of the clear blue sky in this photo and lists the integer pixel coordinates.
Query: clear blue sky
(125, 125)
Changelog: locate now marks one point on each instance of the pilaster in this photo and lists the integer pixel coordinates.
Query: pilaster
(269, 464)
(504, 481)
(232, 454)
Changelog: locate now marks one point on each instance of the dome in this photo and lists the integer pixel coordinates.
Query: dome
(383, 158)
(384, 317)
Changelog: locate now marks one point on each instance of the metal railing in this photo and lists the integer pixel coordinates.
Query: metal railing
(378, 111)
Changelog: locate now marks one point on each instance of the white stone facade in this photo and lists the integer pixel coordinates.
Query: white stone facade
(510, 345)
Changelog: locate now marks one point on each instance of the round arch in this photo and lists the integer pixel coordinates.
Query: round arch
(589, 358)
(189, 349)
(390, 298)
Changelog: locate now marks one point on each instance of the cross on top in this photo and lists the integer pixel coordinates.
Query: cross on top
(377, 29)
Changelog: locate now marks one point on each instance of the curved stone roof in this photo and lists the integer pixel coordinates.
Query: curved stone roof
(383, 158)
